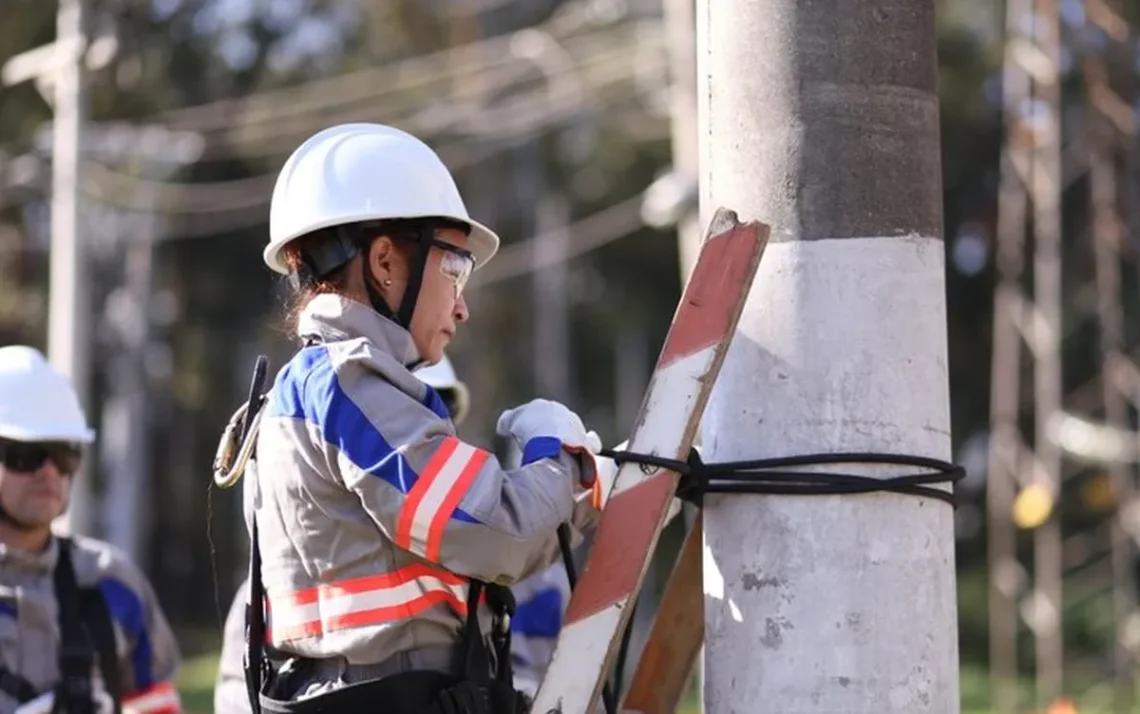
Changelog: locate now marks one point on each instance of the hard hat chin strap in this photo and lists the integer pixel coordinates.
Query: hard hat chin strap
(416, 266)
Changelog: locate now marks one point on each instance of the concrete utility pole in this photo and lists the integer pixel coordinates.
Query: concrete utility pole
(60, 65)
(822, 119)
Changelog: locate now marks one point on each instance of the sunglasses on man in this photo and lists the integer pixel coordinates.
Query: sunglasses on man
(27, 457)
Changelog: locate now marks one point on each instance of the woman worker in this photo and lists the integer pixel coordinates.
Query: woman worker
(384, 541)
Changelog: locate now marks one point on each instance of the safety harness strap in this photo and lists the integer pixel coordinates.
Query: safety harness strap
(75, 691)
(83, 612)
(97, 615)
(16, 686)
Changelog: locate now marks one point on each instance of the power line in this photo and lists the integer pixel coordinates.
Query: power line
(236, 195)
(583, 236)
(414, 73)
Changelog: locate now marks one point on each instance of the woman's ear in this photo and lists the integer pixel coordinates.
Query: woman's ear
(381, 258)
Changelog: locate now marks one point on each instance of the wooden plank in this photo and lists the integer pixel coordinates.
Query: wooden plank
(675, 637)
(631, 524)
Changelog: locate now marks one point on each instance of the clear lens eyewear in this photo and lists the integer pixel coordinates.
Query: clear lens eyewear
(457, 264)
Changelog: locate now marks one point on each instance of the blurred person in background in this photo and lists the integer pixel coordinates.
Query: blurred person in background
(117, 647)
(387, 545)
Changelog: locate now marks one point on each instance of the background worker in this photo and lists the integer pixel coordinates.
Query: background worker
(81, 592)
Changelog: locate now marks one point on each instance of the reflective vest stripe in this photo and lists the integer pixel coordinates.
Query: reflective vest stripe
(162, 698)
(436, 495)
(365, 601)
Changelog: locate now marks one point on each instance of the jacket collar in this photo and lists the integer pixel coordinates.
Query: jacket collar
(333, 318)
(14, 560)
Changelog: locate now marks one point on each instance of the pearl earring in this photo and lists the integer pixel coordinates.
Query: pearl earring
(387, 282)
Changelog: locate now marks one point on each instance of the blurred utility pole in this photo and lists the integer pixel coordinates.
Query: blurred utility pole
(671, 202)
(60, 65)
(551, 309)
(125, 444)
(1024, 482)
(549, 273)
(156, 154)
(1111, 130)
(681, 36)
(128, 232)
(821, 119)
(69, 297)
(631, 373)
(1045, 189)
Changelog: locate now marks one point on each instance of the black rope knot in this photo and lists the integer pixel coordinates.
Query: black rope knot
(765, 476)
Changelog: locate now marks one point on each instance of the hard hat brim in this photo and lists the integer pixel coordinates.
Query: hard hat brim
(12, 433)
(483, 242)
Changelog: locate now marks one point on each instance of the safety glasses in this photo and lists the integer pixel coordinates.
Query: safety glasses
(28, 457)
(457, 264)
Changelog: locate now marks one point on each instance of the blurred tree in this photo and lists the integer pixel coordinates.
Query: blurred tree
(232, 61)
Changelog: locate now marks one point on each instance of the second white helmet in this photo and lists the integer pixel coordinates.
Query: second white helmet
(37, 402)
(442, 378)
(357, 172)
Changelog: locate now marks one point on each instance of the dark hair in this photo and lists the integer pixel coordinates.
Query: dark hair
(335, 282)
(404, 233)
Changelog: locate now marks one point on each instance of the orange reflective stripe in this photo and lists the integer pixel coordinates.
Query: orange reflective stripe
(360, 602)
(161, 698)
(436, 495)
(450, 502)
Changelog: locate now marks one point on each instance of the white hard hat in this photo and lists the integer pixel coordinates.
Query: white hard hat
(440, 375)
(442, 378)
(37, 403)
(357, 172)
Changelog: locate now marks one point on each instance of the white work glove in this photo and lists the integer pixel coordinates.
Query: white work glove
(543, 417)
(607, 474)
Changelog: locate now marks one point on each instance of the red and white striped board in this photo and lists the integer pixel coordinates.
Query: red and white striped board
(635, 513)
(675, 638)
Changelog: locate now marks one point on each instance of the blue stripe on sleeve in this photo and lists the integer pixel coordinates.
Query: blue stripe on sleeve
(308, 389)
(127, 610)
(541, 447)
(433, 401)
(540, 615)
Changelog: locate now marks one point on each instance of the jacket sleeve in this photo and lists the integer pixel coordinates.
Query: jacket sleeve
(440, 498)
(149, 653)
(455, 505)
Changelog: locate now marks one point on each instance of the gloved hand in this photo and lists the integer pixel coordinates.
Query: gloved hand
(607, 474)
(543, 417)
